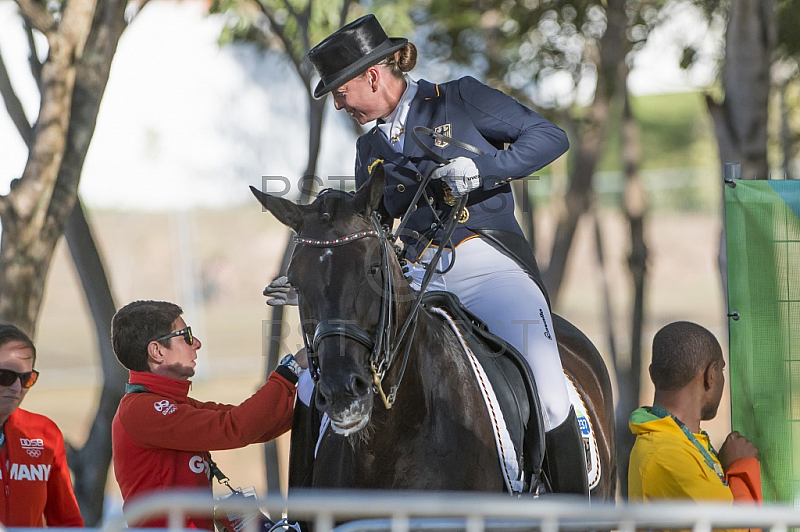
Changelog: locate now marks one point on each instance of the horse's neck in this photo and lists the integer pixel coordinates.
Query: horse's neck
(434, 359)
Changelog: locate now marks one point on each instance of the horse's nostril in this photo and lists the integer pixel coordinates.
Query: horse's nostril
(322, 396)
(359, 386)
(321, 402)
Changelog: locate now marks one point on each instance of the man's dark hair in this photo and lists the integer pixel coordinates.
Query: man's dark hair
(680, 351)
(137, 324)
(12, 333)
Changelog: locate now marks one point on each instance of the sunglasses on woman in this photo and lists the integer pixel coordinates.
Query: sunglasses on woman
(186, 333)
(27, 379)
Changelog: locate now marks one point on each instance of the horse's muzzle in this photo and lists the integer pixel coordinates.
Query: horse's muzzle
(348, 406)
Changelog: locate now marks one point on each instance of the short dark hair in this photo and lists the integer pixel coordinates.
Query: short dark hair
(12, 333)
(680, 351)
(137, 324)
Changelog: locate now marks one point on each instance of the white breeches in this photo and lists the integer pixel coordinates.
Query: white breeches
(494, 288)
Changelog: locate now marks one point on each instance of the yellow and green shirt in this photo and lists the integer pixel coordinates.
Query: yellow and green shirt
(666, 464)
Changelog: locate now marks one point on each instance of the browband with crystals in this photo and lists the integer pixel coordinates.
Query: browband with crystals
(336, 241)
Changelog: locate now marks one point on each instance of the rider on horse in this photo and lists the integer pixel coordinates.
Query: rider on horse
(495, 276)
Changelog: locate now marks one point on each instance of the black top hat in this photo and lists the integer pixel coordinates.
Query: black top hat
(350, 51)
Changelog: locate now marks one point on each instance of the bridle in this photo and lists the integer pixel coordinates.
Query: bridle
(382, 348)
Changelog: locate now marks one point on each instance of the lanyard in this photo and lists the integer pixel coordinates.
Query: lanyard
(707, 453)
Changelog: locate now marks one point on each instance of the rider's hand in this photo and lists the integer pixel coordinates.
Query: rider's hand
(735, 447)
(461, 175)
(280, 292)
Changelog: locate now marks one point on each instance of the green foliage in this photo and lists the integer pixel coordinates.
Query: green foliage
(679, 164)
(676, 131)
(788, 20)
(515, 44)
(295, 26)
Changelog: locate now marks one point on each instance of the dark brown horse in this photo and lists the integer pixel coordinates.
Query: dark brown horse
(405, 409)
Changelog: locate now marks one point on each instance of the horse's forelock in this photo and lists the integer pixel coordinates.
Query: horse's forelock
(333, 209)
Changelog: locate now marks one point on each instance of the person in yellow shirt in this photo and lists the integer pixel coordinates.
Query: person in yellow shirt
(672, 457)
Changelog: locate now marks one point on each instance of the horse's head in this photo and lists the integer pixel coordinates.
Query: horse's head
(339, 268)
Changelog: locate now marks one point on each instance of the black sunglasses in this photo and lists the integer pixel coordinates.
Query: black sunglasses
(27, 379)
(186, 333)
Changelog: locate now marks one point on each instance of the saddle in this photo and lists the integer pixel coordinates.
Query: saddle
(511, 378)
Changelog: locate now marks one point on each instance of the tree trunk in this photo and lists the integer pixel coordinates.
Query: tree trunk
(84, 76)
(613, 48)
(740, 120)
(14, 106)
(28, 242)
(316, 113)
(787, 145)
(90, 464)
(602, 272)
(629, 371)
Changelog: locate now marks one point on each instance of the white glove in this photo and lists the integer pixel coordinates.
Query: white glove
(461, 175)
(280, 292)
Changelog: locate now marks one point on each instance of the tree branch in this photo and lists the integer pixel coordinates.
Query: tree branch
(294, 14)
(343, 13)
(32, 198)
(91, 77)
(279, 31)
(33, 58)
(14, 106)
(36, 15)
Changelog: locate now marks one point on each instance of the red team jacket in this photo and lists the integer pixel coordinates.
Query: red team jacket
(37, 489)
(161, 437)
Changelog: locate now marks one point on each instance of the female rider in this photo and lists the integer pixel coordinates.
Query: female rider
(495, 275)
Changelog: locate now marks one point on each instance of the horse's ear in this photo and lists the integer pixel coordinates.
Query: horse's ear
(370, 195)
(284, 210)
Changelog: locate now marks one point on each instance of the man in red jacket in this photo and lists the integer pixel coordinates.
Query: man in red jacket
(161, 437)
(36, 490)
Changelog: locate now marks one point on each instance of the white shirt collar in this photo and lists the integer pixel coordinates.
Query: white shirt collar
(393, 126)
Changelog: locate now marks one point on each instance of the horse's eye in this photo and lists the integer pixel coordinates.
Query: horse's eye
(375, 269)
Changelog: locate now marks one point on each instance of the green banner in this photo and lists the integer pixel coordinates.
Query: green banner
(763, 246)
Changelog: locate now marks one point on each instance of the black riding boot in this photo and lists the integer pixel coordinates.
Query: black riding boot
(565, 461)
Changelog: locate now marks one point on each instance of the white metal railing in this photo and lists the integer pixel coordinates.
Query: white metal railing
(382, 511)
